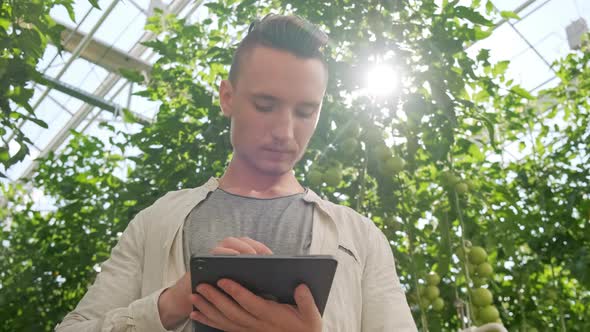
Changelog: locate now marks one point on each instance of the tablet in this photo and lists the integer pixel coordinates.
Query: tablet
(273, 277)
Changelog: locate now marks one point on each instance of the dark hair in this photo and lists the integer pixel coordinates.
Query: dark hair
(288, 33)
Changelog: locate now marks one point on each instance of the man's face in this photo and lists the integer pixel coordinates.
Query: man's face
(274, 107)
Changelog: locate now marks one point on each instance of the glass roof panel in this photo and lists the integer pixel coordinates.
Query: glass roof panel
(528, 70)
(123, 27)
(504, 44)
(545, 26)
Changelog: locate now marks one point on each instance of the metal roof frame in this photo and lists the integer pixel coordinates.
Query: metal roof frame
(174, 8)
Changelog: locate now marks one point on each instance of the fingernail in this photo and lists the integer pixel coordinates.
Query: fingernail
(302, 291)
(223, 284)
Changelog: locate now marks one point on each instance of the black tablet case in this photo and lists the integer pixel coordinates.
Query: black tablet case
(273, 277)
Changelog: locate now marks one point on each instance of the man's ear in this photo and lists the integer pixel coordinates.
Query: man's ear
(226, 94)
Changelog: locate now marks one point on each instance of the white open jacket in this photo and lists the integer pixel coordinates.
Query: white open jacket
(365, 295)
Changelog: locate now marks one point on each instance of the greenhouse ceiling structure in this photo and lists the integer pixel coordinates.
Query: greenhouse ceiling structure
(86, 88)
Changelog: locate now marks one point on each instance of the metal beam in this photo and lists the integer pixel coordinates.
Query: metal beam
(88, 97)
(98, 52)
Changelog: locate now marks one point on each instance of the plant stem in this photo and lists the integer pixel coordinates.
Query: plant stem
(409, 230)
(361, 195)
(465, 269)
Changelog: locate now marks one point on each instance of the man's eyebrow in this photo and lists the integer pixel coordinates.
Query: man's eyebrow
(271, 98)
(311, 104)
(264, 97)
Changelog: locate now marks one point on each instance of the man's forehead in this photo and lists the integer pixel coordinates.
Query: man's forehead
(275, 73)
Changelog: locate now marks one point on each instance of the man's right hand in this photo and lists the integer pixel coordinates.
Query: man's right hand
(240, 245)
(174, 304)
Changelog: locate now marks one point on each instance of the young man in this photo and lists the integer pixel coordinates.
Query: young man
(273, 98)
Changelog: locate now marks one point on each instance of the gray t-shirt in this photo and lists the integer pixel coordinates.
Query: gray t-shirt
(283, 224)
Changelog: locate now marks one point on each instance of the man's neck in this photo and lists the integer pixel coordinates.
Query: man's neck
(241, 179)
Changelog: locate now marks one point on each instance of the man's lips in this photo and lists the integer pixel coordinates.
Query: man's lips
(278, 150)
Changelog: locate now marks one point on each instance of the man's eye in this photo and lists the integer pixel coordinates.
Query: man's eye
(264, 109)
(305, 113)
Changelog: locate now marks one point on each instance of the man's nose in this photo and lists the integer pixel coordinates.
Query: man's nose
(283, 126)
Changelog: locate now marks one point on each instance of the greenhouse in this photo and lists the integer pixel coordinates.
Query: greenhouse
(269, 165)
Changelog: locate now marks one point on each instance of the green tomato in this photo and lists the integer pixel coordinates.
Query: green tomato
(393, 224)
(431, 292)
(460, 253)
(447, 178)
(332, 177)
(481, 297)
(474, 311)
(488, 314)
(485, 270)
(382, 152)
(477, 255)
(461, 188)
(314, 178)
(438, 304)
(424, 302)
(396, 164)
(391, 166)
(373, 136)
(353, 129)
(349, 146)
(432, 279)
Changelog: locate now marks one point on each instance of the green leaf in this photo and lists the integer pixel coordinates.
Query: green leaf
(132, 75)
(37, 121)
(483, 55)
(482, 34)
(19, 155)
(94, 4)
(500, 68)
(521, 92)
(246, 3)
(4, 156)
(215, 7)
(489, 7)
(506, 14)
(475, 152)
(472, 15)
(4, 23)
(71, 12)
(490, 127)
(128, 116)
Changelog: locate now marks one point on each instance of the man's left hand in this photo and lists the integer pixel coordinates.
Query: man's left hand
(242, 311)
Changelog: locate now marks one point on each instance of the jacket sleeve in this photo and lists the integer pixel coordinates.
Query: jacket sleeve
(113, 303)
(384, 303)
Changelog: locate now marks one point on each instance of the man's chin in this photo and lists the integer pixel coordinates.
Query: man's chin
(275, 170)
